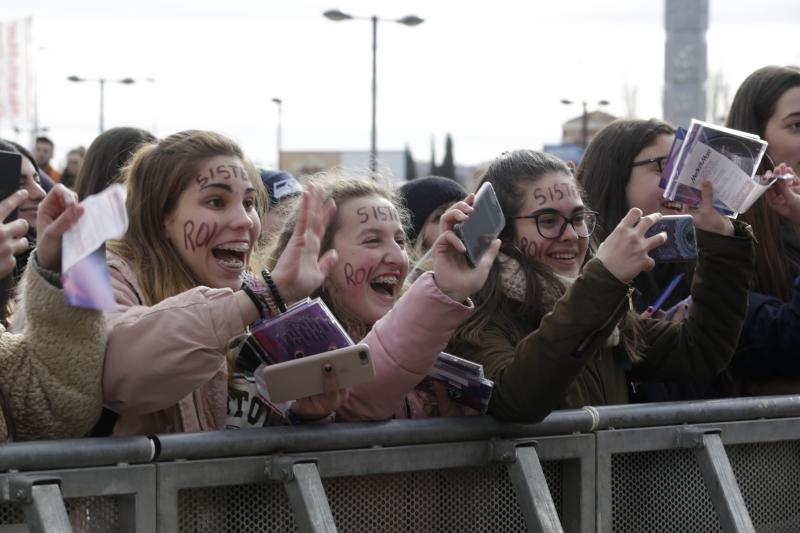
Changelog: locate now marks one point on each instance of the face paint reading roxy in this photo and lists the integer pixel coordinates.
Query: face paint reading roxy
(556, 194)
(372, 265)
(215, 224)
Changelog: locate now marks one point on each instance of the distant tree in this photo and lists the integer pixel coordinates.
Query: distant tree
(411, 166)
(448, 167)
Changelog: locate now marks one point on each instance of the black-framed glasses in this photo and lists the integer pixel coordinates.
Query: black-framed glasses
(553, 225)
(659, 161)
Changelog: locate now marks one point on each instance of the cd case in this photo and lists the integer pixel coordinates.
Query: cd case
(728, 158)
(306, 328)
(463, 379)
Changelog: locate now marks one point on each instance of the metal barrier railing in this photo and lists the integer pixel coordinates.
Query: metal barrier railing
(721, 465)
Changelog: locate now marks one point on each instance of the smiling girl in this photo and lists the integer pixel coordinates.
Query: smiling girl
(194, 206)
(553, 330)
(405, 332)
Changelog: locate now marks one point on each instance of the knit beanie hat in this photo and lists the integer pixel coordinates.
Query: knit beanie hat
(280, 185)
(423, 195)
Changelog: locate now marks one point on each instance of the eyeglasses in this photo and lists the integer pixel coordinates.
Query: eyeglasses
(553, 225)
(659, 161)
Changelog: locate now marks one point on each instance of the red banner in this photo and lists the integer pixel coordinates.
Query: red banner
(16, 73)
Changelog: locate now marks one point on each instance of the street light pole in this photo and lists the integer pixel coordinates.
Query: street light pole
(409, 20)
(373, 148)
(102, 82)
(278, 102)
(584, 118)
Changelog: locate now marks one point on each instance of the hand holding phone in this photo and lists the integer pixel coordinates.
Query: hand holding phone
(483, 226)
(303, 377)
(681, 245)
(10, 173)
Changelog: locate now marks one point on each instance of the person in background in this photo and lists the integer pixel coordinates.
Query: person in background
(74, 161)
(768, 104)
(555, 331)
(283, 190)
(43, 152)
(426, 200)
(107, 155)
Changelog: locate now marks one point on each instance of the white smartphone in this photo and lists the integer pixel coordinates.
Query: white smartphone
(302, 377)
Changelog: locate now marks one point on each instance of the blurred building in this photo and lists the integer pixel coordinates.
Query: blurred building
(572, 130)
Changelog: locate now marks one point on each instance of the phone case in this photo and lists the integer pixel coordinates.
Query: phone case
(483, 226)
(302, 377)
(10, 170)
(681, 242)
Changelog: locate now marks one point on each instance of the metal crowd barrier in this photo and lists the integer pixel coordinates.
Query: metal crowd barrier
(721, 465)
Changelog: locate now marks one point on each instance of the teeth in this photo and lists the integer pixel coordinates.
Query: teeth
(231, 263)
(563, 256)
(672, 205)
(388, 280)
(234, 247)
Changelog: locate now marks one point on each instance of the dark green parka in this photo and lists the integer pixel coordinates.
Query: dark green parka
(564, 363)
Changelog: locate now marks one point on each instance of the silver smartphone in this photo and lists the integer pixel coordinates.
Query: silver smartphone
(483, 226)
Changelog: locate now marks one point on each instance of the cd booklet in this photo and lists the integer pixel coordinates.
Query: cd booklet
(729, 159)
(463, 379)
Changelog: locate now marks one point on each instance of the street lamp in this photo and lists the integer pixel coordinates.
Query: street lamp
(409, 20)
(584, 118)
(278, 102)
(102, 82)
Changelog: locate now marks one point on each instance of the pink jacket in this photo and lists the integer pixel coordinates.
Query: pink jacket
(165, 368)
(404, 345)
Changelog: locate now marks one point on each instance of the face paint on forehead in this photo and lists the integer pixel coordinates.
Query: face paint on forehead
(555, 192)
(379, 213)
(222, 172)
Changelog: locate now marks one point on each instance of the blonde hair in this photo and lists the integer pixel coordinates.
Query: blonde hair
(156, 176)
(340, 186)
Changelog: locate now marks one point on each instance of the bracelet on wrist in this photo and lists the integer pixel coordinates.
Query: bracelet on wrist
(273, 290)
(259, 294)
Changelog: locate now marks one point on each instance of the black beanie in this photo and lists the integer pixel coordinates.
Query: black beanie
(423, 195)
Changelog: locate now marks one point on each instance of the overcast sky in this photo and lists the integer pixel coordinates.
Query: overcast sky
(490, 73)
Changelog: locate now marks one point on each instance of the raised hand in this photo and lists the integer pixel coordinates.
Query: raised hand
(453, 275)
(300, 269)
(12, 235)
(625, 251)
(57, 213)
(784, 196)
(709, 219)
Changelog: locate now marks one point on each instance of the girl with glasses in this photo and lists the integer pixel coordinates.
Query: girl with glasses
(556, 331)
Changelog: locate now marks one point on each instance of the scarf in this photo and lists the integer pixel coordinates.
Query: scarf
(512, 279)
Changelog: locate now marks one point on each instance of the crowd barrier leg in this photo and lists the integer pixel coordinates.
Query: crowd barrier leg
(719, 480)
(41, 501)
(530, 486)
(303, 485)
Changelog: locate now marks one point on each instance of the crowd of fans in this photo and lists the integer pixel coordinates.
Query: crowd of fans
(557, 311)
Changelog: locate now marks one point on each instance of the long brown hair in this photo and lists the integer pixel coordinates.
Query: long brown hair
(339, 186)
(508, 174)
(156, 176)
(752, 107)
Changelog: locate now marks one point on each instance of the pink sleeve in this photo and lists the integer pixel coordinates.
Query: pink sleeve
(403, 345)
(157, 355)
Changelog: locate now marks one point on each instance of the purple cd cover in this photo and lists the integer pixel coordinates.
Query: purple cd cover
(307, 328)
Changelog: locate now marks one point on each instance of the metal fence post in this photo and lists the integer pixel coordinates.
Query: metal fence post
(530, 485)
(41, 500)
(719, 479)
(303, 485)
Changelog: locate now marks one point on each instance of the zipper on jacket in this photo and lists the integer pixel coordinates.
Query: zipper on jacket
(590, 337)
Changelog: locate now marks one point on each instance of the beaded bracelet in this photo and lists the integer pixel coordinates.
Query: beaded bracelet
(273, 289)
(258, 302)
(259, 293)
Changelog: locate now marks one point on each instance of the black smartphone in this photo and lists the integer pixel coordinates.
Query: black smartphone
(483, 226)
(681, 245)
(10, 172)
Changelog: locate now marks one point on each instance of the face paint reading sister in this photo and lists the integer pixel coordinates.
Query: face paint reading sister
(223, 172)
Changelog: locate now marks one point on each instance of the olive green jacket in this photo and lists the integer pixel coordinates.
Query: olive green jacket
(565, 363)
